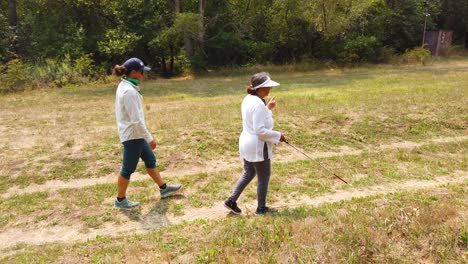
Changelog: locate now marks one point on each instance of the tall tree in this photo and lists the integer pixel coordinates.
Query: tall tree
(201, 33)
(12, 16)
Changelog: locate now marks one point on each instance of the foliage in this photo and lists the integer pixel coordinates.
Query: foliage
(362, 48)
(416, 55)
(223, 33)
(171, 40)
(117, 42)
(13, 76)
(6, 36)
(84, 65)
(17, 75)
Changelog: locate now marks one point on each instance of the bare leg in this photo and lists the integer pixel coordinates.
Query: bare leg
(154, 174)
(122, 185)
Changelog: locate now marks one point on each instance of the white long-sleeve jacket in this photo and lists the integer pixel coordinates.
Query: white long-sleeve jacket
(129, 113)
(257, 124)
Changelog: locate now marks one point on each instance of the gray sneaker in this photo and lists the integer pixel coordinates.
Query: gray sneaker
(125, 204)
(170, 189)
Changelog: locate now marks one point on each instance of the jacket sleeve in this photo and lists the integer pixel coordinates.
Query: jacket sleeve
(259, 115)
(131, 104)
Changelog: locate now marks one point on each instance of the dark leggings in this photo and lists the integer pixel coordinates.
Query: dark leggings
(263, 170)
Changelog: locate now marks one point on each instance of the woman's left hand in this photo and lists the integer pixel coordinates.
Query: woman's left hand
(272, 103)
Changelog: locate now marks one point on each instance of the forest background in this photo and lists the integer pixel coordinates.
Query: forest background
(63, 42)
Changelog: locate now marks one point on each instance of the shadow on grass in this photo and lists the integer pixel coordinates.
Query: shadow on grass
(156, 218)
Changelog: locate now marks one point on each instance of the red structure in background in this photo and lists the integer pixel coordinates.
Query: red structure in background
(438, 41)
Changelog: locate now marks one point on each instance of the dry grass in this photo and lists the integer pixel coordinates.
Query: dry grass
(70, 134)
(408, 227)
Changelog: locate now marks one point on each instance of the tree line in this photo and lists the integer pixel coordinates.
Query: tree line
(179, 35)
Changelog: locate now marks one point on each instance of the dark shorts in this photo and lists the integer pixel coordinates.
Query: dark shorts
(134, 150)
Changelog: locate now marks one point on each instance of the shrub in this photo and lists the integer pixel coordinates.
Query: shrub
(387, 54)
(416, 55)
(84, 65)
(361, 48)
(14, 76)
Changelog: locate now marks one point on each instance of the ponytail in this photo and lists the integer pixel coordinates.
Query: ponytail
(250, 90)
(119, 70)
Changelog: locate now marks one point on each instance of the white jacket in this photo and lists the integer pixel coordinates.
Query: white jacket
(257, 124)
(129, 113)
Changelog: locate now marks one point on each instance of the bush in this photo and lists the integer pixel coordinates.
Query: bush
(387, 54)
(65, 71)
(58, 72)
(360, 49)
(416, 55)
(14, 76)
(17, 76)
(84, 65)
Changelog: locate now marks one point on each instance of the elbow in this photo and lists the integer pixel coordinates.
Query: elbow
(262, 135)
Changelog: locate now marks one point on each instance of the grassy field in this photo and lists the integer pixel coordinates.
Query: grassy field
(379, 127)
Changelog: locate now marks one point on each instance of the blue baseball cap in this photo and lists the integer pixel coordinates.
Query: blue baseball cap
(135, 64)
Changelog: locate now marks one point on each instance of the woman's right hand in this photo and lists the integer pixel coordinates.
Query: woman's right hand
(152, 145)
(282, 138)
(272, 103)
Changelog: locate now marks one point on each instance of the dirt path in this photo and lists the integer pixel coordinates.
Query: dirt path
(55, 185)
(155, 220)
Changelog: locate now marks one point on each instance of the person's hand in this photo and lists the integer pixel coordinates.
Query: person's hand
(272, 103)
(282, 138)
(152, 144)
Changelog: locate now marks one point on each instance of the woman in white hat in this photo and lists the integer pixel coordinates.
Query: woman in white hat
(136, 139)
(255, 142)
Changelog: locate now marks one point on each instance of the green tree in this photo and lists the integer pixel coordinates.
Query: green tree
(454, 16)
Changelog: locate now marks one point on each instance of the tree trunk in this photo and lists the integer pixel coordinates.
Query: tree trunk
(176, 6)
(324, 16)
(164, 67)
(171, 60)
(201, 32)
(12, 17)
(188, 46)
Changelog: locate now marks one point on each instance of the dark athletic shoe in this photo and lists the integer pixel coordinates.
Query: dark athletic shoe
(232, 206)
(265, 210)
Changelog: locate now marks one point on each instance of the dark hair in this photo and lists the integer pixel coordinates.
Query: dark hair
(120, 70)
(256, 79)
(250, 90)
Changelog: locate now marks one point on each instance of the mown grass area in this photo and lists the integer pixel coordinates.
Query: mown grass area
(70, 133)
(406, 227)
(91, 207)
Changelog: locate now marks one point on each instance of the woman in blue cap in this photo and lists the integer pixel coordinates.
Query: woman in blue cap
(255, 142)
(136, 139)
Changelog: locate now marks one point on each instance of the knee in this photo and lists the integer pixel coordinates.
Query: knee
(150, 164)
(126, 173)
